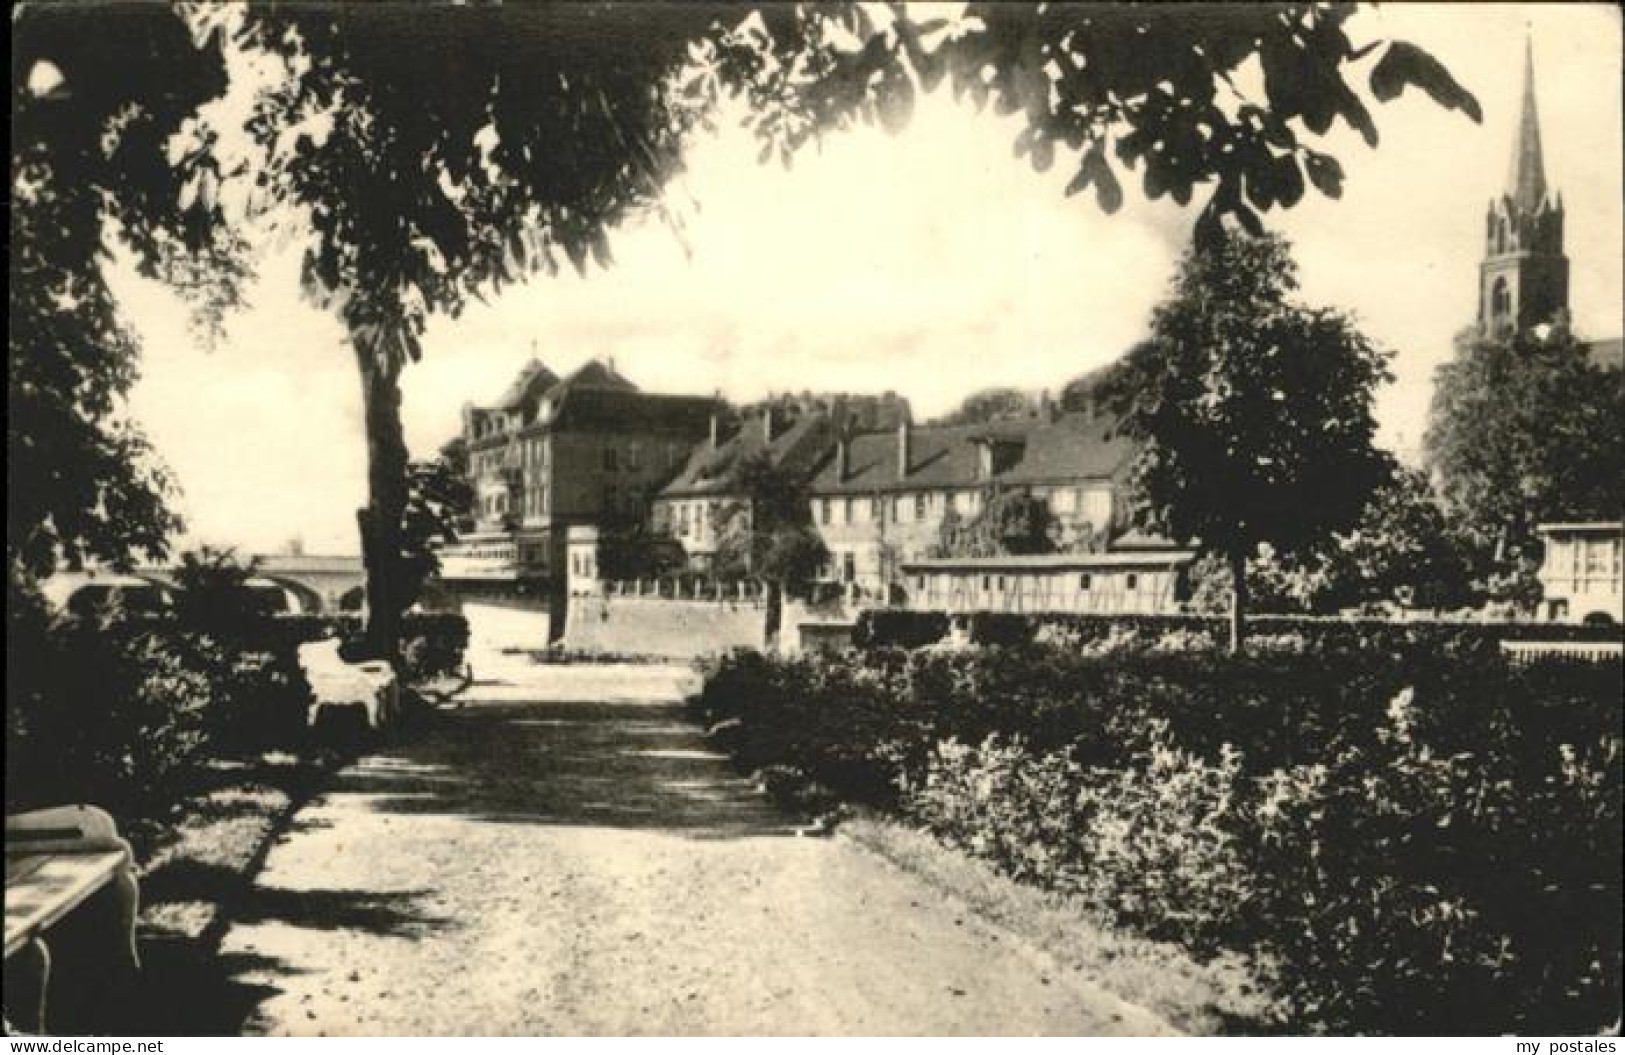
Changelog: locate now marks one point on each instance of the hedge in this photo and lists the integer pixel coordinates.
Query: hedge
(124, 708)
(914, 629)
(1409, 839)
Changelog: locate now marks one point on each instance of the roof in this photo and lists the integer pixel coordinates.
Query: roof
(1583, 527)
(1052, 561)
(798, 445)
(592, 409)
(1072, 447)
(534, 379)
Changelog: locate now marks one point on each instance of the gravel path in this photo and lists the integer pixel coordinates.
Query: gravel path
(531, 865)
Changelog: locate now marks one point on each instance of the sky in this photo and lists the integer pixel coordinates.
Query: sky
(931, 262)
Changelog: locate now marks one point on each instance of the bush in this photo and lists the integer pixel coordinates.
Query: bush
(108, 711)
(911, 629)
(1419, 836)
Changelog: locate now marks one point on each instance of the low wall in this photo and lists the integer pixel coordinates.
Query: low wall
(654, 626)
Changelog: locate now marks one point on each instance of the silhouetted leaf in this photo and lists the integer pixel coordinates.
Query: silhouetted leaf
(1404, 64)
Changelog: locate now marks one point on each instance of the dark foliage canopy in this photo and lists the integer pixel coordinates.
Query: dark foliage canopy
(1253, 412)
(1522, 431)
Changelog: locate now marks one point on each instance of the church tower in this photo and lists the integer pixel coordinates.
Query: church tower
(1524, 279)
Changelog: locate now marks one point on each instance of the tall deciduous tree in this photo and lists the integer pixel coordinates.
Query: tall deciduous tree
(1520, 431)
(1253, 412)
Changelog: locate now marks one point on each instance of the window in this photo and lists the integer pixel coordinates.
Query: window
(846, 511)
(611, 459)
(987, 583)
(633, 458)
(849, 567)
(919, 507)
(823, 511)
(1084, 582)
(1131, 581)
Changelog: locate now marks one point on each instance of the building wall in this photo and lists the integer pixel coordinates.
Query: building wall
(681, 629)
(880, 532)
(1116, 590)
(1581, 576)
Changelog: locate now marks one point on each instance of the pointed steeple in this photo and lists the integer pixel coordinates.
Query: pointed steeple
(1527, 183)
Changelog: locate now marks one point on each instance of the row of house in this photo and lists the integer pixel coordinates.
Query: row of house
(590, 449)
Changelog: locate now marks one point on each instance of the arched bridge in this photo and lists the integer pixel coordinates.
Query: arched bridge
(320, 583)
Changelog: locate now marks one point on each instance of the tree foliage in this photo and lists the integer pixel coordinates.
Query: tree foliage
(1403, 553)
(1010, 523)
(91, 110)
(1253, 413)
(1522, 431)
(769, 535)
(987, 405)
(1115, 89)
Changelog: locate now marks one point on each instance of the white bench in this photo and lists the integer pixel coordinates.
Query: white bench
(337, 683)
(55, 860)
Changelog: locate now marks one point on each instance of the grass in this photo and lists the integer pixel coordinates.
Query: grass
(218, 840)
(1223, 995)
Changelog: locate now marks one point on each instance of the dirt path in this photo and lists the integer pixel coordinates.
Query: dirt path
(534, 867)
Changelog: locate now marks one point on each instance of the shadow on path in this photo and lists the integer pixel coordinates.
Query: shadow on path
(642, 766)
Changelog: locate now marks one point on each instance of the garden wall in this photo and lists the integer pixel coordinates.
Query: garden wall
(653, 626)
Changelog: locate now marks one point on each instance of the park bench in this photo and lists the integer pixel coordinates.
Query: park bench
(335, 682)
(56, 859)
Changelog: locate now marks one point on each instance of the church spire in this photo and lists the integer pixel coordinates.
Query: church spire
(1527, 185)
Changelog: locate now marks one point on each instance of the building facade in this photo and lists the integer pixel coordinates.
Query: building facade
(1580, 572)
(589, 448)
(880, 499)
(791, 434)
(1131, 582)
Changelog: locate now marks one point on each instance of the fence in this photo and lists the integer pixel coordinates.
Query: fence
(1566, 651)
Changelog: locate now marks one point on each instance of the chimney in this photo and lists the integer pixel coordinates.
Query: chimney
(905, 448)
(714, 427)
(984, 460)
(843, 457)
(767, 424)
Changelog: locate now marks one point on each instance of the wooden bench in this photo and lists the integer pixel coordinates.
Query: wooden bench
(56, 859)
(334, 682)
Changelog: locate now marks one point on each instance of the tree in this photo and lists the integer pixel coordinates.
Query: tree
(1253, 414)
(769, 535)
(1402, 552)
(550, 122)
(438, 496)
(1522, 431)
(1011, 523)
(214, 593)
(91, 112)
(990, 404)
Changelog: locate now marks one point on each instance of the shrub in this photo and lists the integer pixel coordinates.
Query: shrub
(1419, 836)
(109, 711)
(914, 629)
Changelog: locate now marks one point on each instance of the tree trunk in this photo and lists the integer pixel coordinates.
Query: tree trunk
(775, 603)
(1238, 599)
(380, 521)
